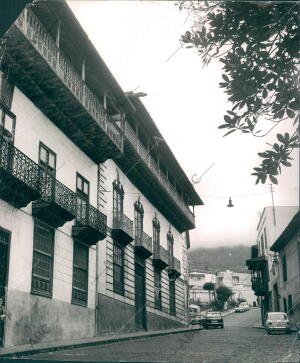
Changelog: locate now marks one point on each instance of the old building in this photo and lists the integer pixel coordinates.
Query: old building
(287, 249)
(196, 282)
(94, 208)
(239, 283)
(263, 262)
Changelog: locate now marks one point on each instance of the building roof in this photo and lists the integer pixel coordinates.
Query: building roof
(287, 234)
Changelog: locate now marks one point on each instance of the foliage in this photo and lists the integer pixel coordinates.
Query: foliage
(223, 293)
(210, 286)
(258, 46)
(217, 305)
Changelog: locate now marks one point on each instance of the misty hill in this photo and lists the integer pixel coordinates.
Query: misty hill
(219, 259)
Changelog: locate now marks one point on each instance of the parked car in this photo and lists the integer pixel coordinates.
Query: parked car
(239, 309)
(245, 306)
(277, 321)
(213, 318)
(195, 315)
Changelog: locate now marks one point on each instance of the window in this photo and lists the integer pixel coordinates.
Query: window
(118, 269)
(157, 288)
(82, 193)
(284, 268)
(172, 297)
(7, 124)
(80, 274)
(118, 196)
(156, 233)
(290, 304)
(47, 159)
(42, 264)
(284, 305)
(138, 219)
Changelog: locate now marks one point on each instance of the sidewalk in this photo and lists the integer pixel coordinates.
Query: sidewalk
(28, 349)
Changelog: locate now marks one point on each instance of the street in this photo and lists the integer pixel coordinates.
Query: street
(239, 342)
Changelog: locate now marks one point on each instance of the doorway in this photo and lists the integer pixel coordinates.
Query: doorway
(4, 253)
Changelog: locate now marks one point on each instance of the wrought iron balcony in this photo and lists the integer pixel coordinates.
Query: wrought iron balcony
(57, 204)
(180, 208)
(174, 268)
(91, 224)
(143, 244)
(19, 176)
(160, 257)
(44, 73)
(259, 286)
(122, 230)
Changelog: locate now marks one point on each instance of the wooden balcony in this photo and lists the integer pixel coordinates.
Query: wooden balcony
(143, 245)
(174, 268)
(42, 71)
(90, 226)
(19, 176)
(259, 286)
(57, 203)
(160, 257)
(153, 183)
(122, 230)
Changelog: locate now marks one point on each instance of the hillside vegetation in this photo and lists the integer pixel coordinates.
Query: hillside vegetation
(219, 259)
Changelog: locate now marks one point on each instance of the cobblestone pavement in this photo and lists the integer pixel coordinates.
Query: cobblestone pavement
(239, 342)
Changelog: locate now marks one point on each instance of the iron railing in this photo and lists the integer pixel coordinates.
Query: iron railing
(87, 215)
(35, 32)
(53, 191)
(18, 165)
(259, 285)
(121, 221)
(152, 165)
(143, 240)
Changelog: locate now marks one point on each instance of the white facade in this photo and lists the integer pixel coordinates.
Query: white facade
(196, 282)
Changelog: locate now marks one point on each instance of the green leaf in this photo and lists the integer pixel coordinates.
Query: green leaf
(229, 132)
(290, 113)
(276, 147)
(265, 93)
(263, 178)
(225, 77)
(280, 138)
(273, 179)
(285, 163)
(224, 126)
(227, 119)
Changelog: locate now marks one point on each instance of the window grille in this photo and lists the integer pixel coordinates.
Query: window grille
(80, 274)
(118, 269)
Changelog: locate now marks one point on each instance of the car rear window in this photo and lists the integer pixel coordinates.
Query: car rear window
(277, 316)
(213, 315)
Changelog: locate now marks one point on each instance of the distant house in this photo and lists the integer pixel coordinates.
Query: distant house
(196, 283)
(239, 283)
(287, 246)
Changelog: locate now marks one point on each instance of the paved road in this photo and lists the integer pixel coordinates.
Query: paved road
(239, 342)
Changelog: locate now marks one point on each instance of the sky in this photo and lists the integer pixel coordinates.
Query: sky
(139, 41)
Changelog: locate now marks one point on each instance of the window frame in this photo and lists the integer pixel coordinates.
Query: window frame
(138, 219)
(284, 269)
(42, 164)
(75, 301)
(5, 111)
(36, 251)
(170, 242)
(118, 197)
(156, 234)
(172, 297)
(119, 285)
(157, 289)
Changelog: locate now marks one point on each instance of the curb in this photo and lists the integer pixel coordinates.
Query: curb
(93, 343)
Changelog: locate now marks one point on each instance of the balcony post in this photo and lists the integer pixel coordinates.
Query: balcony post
(83, 70)
(58, 34)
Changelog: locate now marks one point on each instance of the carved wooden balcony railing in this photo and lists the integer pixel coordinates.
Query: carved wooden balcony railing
(259, 286)
(160, 257)
(91, 224)
(33, 30)
(57, 204)
(143, 244)
(19, 176)
(174, 268)
(161, 178)
(122, 230)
